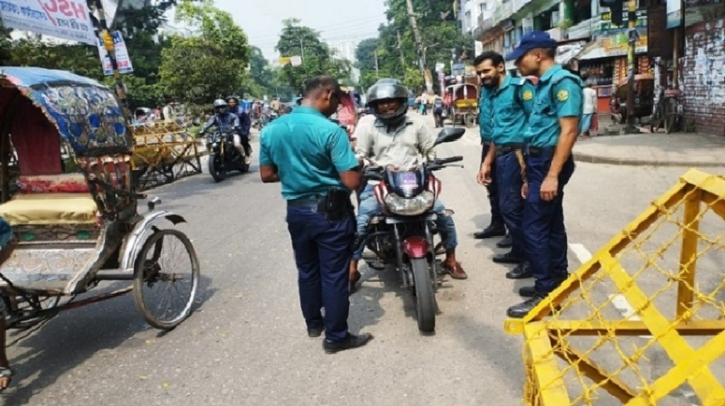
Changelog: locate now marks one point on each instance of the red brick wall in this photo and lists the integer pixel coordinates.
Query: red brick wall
(703, 76)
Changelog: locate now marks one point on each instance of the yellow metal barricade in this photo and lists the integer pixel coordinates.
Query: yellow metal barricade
(637, 325)
(163, 152)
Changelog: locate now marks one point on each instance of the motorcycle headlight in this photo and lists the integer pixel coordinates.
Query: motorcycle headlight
(410, 207)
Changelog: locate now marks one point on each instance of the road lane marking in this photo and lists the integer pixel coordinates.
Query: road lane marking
(618, 300)
(581, 252)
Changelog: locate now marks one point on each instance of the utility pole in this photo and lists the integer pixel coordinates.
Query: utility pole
(632, 41)
(421, 48)
(302, 50)
(400, 49)
(377, 68)
(105, 34)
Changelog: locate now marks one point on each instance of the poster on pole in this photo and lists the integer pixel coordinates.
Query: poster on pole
(674, 13)
(66, 19)
(122, 58)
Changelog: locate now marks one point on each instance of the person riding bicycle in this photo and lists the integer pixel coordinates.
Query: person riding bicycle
(244, 121)
(224, 120)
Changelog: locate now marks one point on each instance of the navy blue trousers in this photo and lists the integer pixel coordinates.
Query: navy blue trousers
(543, 225)
(511, 204)
(322, 254)
(492, 189)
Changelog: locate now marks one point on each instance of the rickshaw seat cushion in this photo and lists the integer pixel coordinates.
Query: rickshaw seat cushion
(61, 183)
(50, 209)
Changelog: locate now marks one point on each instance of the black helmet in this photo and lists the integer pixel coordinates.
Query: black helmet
(221, 106)
(385, 89)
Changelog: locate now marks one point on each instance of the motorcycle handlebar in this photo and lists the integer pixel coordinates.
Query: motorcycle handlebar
(452, 159)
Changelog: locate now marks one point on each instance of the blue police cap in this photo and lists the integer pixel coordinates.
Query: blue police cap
(532, 40)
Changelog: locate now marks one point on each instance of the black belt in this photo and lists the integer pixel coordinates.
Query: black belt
(506, 148)
(540, 151)
(312, 203)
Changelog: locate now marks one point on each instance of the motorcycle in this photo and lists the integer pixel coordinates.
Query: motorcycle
(403, 234)
(223, 156)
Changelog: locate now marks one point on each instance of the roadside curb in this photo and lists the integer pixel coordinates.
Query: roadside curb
(596, 159)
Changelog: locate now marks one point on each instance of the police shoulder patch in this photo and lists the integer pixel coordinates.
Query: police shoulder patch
(563, 95)
(527, 95)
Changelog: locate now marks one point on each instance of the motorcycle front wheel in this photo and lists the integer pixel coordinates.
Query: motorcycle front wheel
(424, 295)
(216, 167)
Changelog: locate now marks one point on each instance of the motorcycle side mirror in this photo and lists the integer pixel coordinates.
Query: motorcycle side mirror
(449, 134)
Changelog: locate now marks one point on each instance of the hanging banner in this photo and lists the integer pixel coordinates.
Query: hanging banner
(122, 58)
(66, 19)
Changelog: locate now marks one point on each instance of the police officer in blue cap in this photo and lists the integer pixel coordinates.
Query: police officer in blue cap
(512, 101)
(312, 158)
(553, 128)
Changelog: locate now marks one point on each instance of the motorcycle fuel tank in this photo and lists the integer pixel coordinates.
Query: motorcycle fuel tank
(407, 183)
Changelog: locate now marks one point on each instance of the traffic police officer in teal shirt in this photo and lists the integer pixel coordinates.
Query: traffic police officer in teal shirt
(512, 100)
(485, 122)
(312, 158)
(552, 130)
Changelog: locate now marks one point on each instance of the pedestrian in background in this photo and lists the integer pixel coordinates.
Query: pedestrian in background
(589, 110)
(552, 131)
(312, 158)
(512, 101)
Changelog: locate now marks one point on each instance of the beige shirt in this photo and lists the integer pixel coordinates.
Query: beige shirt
(405, 147)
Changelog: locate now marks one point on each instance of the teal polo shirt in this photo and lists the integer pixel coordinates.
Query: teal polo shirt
(485, 114)
(309, 151)
(513, 101)
(558, 95)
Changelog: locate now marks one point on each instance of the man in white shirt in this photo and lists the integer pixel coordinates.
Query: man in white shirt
(401, 141)
(589, 110)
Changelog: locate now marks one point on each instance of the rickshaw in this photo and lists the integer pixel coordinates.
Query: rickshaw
(463, 99)
(644, 88)
(73, 207)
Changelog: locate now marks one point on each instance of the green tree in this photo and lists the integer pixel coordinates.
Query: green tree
(208, 65)
(317, 59)
(441, 37)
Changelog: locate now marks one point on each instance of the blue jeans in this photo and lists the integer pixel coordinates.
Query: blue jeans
(369, 207)
(511, 204)
(543, 225)
(322, 254)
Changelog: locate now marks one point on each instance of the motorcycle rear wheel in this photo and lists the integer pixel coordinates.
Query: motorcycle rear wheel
(216, 168)
(424, 295)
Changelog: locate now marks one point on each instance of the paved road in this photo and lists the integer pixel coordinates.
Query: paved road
(246, 343)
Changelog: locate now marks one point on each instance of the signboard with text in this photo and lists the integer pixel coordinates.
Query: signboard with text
(66, 19)
(122, 59)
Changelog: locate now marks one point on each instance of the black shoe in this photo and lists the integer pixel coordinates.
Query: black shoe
(507, 242)
(314, 332)
(527, 291)
(522, 271)
(352, 341)
(520, 310)
(507, 258)
(494, 230)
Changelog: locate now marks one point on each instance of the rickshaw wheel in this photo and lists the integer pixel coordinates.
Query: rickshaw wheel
(469, 120)
(670, 115)
(25, 311)
(163, 289)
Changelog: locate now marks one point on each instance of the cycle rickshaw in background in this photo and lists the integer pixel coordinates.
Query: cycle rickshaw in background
(463, 102)
(65, 174)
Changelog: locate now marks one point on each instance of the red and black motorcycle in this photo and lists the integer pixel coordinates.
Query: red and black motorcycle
(403, 234)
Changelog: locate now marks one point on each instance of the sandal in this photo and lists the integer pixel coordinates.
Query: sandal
(6, 372)
(353, 282)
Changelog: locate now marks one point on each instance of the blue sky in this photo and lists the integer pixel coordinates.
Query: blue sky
(336, 20)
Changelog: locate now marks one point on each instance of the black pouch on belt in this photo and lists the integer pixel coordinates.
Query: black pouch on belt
(337, 204)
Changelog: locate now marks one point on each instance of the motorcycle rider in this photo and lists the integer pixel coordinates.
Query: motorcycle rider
(244, 121)
(223, 119)
(395, 139)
